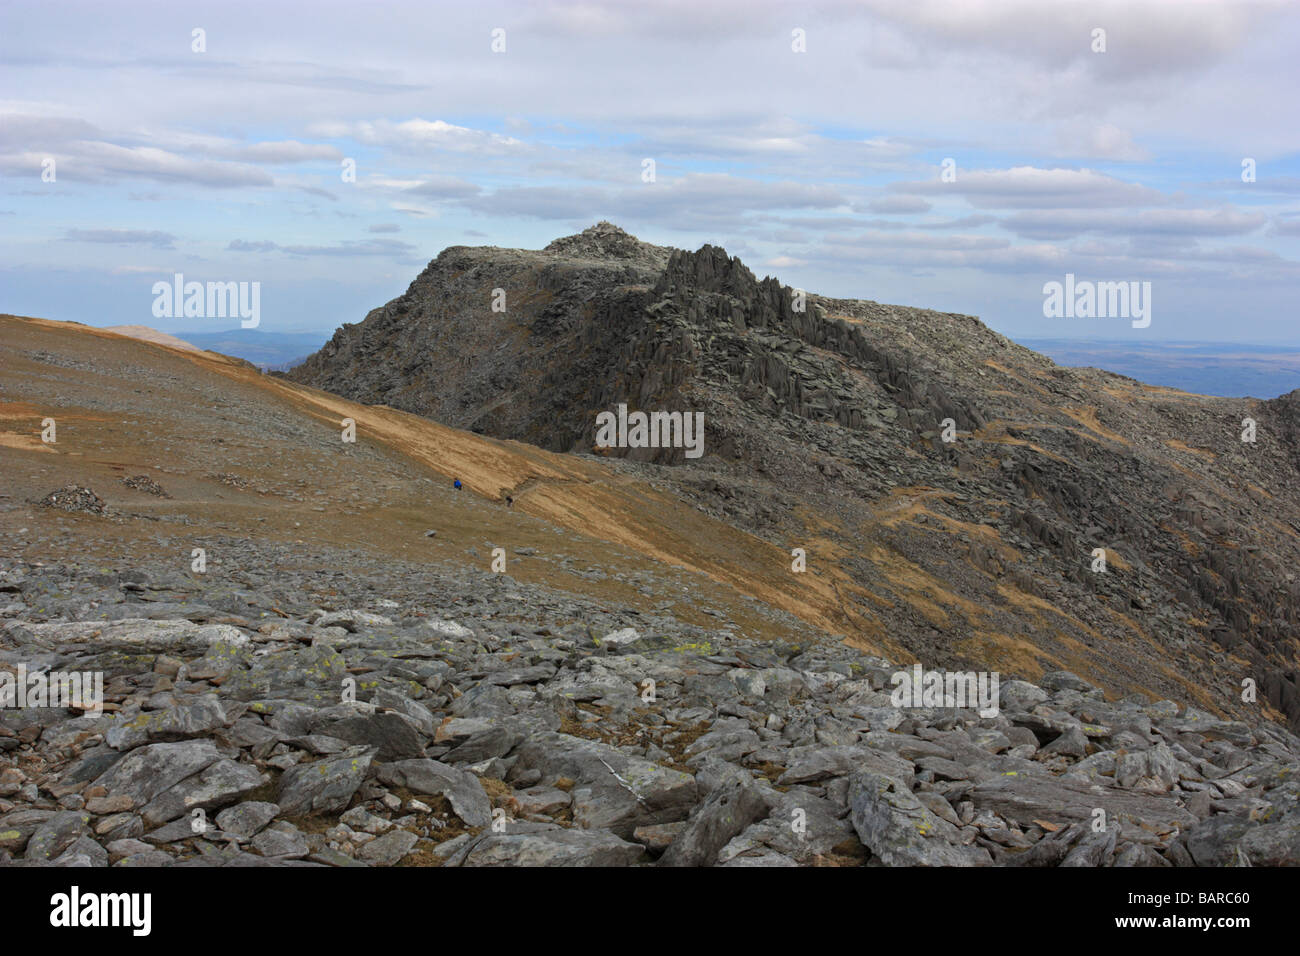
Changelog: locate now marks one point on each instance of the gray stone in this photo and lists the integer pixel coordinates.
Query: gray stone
(389, 849)
(393, 735)
(149, 858)
(495, 741)
(897, 828)
(613, 790)
(352, 620)
(83, 851)
(1224, 839)
(17, 827)
(1096, 849)
(190, 719)
(724, 815)
(217, 785)
(246, 819)
(326, 785)
(55, 834)
(146, 772)
(809, 765)
(1017, 695)
(286, 843)
(425, 776)
(1063, 800)
(554, 847)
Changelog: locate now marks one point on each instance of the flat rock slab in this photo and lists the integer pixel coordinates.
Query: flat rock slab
(352, 620)
(389, 849)
(189, 719)
(612, 790)
(394, 737)
(814, 764)
(134, 634)
(1023, 799)
(146, 772)
(281, 844)
(557, 847)
(245, 819)
(219, 784)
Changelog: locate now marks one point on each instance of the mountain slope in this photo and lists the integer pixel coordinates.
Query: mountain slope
(825, 432)
(246, 454)
(638, 666)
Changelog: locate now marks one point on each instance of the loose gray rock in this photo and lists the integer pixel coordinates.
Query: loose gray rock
(899, 830)
(389, 849)
(149, 771)
(425, 776)
(326, 785)
(246, 819)
(725, 814)
(554, 847)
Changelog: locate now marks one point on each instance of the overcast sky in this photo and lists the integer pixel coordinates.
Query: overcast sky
(824, 168)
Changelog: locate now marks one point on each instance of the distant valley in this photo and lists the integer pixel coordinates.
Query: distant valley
(1226, 369)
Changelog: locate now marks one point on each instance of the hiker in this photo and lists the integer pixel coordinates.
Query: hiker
(456, 484)
(510, 502)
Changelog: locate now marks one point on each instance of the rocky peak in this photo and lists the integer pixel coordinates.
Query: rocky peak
(605, 240)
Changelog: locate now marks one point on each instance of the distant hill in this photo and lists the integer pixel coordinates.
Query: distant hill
(1205, 368)
(277, 351)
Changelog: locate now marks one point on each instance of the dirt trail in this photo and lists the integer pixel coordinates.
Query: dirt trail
(586, 497)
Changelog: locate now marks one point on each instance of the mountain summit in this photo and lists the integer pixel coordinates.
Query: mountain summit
(605, 240)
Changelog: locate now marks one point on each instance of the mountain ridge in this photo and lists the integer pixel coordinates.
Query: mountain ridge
(825, 430)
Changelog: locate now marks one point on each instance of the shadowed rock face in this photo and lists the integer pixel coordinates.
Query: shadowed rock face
(824, 430)
(602, 318)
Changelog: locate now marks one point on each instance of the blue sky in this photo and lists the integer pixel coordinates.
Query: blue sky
(822, 167)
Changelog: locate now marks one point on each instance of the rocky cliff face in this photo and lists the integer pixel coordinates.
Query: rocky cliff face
(825, 425)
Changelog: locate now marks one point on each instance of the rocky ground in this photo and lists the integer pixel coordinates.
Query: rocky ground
(375, 715)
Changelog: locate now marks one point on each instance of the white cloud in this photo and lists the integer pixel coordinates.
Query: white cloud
(1029, 187)
(420, 135)
(1061, 224)
(1102, 141)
